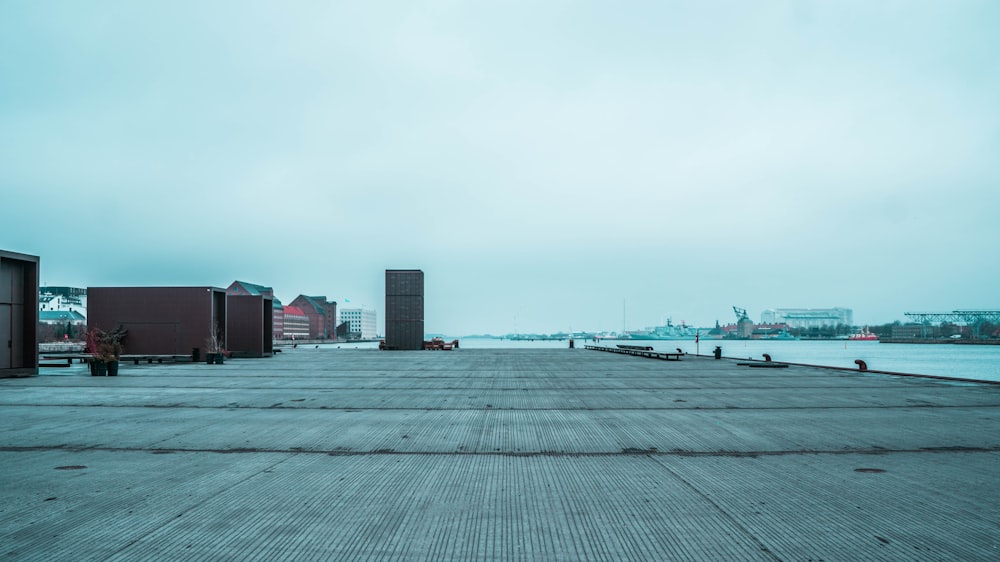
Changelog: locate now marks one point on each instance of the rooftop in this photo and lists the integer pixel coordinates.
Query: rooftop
(325, 453)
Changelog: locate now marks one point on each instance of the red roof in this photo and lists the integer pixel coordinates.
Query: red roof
(294, 311)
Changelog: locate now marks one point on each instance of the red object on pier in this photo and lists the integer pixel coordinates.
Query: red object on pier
(440, 344)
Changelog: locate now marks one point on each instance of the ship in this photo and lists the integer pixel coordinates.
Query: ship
(781, 335)
(667, 332)
(863, 335)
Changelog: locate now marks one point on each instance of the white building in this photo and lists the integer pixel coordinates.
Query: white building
(808, 317)
(63, 299)
(360, 322)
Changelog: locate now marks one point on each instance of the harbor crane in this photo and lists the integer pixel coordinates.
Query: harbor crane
(741, 313)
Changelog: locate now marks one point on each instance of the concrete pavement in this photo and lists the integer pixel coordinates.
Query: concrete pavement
(331, 454)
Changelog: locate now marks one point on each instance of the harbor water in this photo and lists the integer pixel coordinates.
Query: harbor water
(978, 362)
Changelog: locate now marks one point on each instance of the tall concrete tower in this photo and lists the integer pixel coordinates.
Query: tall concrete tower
(404, 309)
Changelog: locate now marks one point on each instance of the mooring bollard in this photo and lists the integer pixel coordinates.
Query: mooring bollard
(767, 357)
(862, 366)
(718, 352)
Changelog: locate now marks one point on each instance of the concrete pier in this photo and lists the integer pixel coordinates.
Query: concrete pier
(328, 454)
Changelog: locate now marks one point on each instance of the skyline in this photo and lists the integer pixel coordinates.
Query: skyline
(542, 164)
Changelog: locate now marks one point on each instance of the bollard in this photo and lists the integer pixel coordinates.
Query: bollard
(571, 343)
(718, 352)
(862, 366)
(767, 357)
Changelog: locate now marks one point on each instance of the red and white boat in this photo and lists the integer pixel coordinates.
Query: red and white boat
(863, 335)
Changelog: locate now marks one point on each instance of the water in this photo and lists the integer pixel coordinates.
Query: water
(979, 362)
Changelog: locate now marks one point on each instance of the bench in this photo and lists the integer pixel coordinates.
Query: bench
(135, 359)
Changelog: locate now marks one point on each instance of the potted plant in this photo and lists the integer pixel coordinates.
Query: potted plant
(215, 348)
(105, 348)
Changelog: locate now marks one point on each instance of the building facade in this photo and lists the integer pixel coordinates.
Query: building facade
(808, 317)
(63, 299)
(57, 325)
(296, 324)
(322, 316)
(404, 309)
(242, 288)
(18, 314)
(249, 325)
(161, 320)
(360, 323)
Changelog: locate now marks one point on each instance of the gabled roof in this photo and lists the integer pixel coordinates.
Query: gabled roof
(294, 311)
(254, 289)
(318, 303)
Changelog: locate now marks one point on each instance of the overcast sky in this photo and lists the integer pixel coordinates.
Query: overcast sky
(549, 165)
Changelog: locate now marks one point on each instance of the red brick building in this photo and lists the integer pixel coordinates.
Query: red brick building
(296, 324)
(322, 316)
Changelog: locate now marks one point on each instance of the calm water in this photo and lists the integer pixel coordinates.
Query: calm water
(980, 362)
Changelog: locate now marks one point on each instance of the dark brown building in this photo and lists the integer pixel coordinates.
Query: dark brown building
(278, 312)
(18, 314)
(160, 320)
(249, 325)
(322, 315)
(404, 309)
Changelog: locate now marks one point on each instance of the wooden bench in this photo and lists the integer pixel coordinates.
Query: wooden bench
(69, 357)
(135, 359)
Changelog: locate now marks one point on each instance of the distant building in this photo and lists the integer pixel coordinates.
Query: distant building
(61, 317)
(744, 328)
(59, 325)
(63, 299)
(322, 316)
(915, 331)
(250, 289)
(808, 317)
(279, 320)
(404, 309)
(296, 324)
(360, 323)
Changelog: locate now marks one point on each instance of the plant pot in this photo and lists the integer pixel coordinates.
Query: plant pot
(112, 368)
(210, 358)
(220, 358)
(98, 368)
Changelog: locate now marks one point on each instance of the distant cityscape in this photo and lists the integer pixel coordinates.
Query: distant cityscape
(63, 315)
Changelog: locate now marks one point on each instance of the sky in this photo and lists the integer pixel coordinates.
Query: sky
(550, 166)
